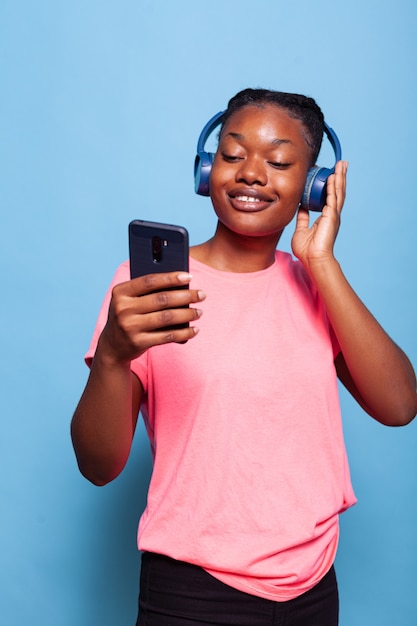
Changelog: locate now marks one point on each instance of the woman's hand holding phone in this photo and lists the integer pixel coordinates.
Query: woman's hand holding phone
(148, 311)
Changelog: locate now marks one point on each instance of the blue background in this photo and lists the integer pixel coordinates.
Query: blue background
(101, 106)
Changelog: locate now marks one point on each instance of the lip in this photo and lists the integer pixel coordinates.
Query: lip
(249, 200)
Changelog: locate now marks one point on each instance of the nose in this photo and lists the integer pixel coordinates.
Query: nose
(252, 172)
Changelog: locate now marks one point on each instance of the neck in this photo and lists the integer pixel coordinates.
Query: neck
(230, 252)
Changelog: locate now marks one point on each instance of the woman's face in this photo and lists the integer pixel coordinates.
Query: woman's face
(259, 171)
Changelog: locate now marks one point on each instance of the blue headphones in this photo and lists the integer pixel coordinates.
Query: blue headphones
(314, 196)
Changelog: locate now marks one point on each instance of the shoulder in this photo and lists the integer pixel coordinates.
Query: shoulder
(292, 268)
(122, 273)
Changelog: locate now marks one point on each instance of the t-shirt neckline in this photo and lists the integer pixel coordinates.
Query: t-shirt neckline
(244, 275)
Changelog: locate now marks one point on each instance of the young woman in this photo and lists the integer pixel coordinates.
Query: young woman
(250, 470)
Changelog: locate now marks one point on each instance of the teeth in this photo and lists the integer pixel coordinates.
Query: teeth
(247, 199)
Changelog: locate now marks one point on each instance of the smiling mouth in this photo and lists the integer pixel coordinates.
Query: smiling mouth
(248, 203)
(246, 199)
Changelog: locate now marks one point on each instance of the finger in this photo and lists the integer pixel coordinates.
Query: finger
(167, 318)
(302, 220)
(138, 288)
(157, 282)
(162, 300)
(340, 183)
(130, 332)
(336, 189)
(166, 327)
(169, 335)
(331, 196)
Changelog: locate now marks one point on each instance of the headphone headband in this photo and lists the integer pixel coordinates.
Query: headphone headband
(314, 196)
(213, 122)
(334, 140)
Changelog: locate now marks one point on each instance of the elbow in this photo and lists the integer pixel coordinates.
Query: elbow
(397, 421)
(98, 474)
(406, 417)
(408, 410)
(98, 482)
(400, 415)
(98, 479)
(100, 467)
(95, 479)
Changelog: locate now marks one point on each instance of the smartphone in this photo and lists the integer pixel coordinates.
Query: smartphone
(155, 247)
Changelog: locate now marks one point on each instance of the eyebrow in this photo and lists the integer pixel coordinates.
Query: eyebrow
(240, 137)
(278, 142)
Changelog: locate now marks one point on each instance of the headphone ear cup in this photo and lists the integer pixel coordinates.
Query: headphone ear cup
(314, 196)
(202, 170)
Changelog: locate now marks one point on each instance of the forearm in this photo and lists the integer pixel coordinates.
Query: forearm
(381, 373)
(104, 421)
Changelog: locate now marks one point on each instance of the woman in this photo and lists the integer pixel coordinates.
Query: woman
(250, 471)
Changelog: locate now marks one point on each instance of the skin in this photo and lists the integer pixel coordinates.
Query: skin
(262, 155)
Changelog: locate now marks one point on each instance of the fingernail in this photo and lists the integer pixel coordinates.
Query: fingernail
(201, 295)
(184, 277)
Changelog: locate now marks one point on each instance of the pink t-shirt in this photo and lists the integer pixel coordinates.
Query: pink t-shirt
(250, 469)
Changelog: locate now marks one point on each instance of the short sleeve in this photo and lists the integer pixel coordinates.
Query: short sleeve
(302, 278)
(122, 275)
(334, 340)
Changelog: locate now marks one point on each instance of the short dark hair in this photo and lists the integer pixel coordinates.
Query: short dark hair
(302, 108)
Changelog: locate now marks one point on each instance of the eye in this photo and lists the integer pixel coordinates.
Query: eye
(231, 158)
(279, 166)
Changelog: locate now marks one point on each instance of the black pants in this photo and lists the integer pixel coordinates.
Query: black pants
(173, 593)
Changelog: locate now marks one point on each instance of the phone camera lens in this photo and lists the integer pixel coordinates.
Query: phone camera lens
(156, 249)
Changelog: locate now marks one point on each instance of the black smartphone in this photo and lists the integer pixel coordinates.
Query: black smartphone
(156, 247)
